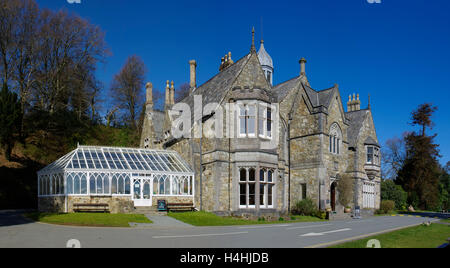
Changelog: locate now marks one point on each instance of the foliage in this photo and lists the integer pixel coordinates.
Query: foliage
(10, 118)
(419, 175)
(345, 189)
(387, 206)
(391, 191)
(305, 207)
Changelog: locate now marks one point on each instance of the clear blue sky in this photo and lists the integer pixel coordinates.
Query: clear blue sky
(398, 51)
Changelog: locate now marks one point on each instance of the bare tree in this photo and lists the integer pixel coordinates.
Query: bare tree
(70, 48)
(126, 88)
(182, 92)
(393, 157)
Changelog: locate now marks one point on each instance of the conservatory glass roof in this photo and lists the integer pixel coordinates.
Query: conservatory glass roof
(120, 159)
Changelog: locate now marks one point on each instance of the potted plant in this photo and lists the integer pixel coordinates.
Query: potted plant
(345, 188)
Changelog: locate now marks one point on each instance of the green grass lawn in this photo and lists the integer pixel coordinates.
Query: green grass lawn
(414, 237)
(209, 219)
(89, 219)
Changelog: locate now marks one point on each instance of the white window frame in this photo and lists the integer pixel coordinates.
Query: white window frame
(369, 194)
(246, 117)
(376, 155)
(264, 120)
(247, 183)
(265, 182)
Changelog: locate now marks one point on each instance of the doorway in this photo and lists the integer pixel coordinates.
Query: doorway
(333, 196)
(142, 192)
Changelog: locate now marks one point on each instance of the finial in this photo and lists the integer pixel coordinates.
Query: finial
(370, 105)
(172, 85)
(168, 84)
(253, 49)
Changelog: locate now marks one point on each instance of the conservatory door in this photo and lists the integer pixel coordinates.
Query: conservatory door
(141, 192)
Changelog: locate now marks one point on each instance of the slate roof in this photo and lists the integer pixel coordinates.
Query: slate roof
(215, 89)
(158, 123)
(371, 141)
(356, 122)
(317, 98)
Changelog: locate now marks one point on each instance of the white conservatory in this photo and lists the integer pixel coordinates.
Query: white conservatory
(120, 178)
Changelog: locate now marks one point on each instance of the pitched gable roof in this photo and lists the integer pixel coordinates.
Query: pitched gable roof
(317, 98)
(357, 119)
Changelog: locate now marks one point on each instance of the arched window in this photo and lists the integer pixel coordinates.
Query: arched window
(335, 139)
(167, 185)
(69, 184)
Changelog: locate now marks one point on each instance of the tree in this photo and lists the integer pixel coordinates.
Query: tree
(394, 155)
(182, 92)
(126, 89)
(10, 118)
(419, 175)
(391, 191)
(422, 116)
(345, 189)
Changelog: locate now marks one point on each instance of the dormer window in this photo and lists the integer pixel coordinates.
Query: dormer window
(335, 139)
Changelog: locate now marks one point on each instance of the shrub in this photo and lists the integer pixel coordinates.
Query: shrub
(345, 188)
(387, 206)
(391, 191)
(321, 215)
(305, 207)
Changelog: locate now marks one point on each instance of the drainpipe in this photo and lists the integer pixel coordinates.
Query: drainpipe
(289, 163)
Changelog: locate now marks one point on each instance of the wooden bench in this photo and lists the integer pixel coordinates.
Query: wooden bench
(180, 207)
(104, 208)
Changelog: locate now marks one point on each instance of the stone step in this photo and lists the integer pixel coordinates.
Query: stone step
(340, 216)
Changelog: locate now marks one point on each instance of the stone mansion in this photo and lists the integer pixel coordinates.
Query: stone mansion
(318, 140)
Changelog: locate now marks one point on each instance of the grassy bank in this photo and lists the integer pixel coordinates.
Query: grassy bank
(209, 219)
(89, 219)
(415, 237)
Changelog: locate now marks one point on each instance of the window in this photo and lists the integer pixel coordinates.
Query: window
(266, 188)
(304, 195)
(335, 139)
(120, 184)
(99, 184)
(369, 195)
(247, 120)
(247, 187)
(265, 121)
(373, 155)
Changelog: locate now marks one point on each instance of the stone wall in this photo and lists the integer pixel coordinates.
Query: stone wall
(51, 204)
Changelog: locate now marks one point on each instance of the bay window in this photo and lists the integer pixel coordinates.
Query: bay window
(373, 155)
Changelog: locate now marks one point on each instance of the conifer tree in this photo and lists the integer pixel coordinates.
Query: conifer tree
(419, 175)
(10, 119)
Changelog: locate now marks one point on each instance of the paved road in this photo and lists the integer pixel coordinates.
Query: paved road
(17, 232)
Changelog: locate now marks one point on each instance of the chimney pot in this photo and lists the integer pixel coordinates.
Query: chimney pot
(193, 74)
(302, 66)
(149, 96)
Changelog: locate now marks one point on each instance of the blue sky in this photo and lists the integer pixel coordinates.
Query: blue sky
(397, 51)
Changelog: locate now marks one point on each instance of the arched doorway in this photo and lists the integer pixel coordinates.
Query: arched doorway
(333, 196)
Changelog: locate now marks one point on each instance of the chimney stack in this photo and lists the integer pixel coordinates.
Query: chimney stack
(193, 72)
(167, 101)
(149, 95)
(303, 66)
(172, 93)
(353, 104)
